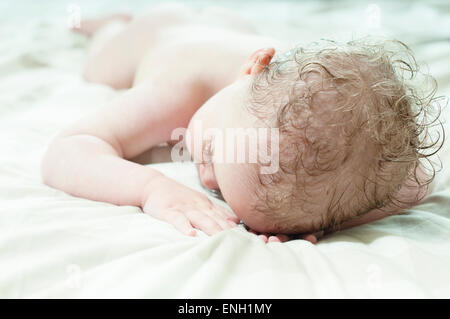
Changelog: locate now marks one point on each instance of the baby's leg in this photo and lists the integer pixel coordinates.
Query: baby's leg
(118, 45)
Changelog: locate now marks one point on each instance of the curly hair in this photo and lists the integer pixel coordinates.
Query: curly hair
(354, 126)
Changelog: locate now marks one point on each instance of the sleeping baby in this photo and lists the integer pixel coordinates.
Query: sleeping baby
(334, 133)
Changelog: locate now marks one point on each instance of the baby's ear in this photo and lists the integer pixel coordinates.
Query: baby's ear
(257, 61)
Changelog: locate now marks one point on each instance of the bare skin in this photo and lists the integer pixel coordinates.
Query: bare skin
(171, 61)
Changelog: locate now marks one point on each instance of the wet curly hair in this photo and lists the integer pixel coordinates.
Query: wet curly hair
(355, 123)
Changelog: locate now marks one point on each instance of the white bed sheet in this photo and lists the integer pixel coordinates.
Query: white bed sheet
(56, 245)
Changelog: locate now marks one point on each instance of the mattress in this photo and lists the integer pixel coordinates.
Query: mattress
(54, 245)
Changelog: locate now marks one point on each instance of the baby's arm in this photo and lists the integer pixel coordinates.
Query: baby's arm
(90, 158)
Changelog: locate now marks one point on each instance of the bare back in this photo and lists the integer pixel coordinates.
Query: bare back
(172, 41)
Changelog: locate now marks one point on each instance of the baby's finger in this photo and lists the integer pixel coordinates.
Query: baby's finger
(310, 237)
(313, 238)
(231, 222)
(180, 222)
(283, 238)
(220, 217)
(274, 239)
(263, 237)
(204, 222)
(219, 211)
(228, 214)
(231, 216)
(223, 222)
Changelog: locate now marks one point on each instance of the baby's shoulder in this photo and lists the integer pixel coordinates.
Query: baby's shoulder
(175, 59)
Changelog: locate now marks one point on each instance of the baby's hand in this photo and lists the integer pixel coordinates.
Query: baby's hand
(267, 238)
(281, 238)
(185, 208)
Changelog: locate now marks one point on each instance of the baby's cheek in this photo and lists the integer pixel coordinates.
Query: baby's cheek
(207, 177)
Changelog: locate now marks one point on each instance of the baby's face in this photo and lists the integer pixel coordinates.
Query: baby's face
(238, 181)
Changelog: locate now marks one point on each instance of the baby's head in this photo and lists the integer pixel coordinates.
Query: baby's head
(351, 131)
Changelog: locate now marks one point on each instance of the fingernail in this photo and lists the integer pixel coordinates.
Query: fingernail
(273, 239)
